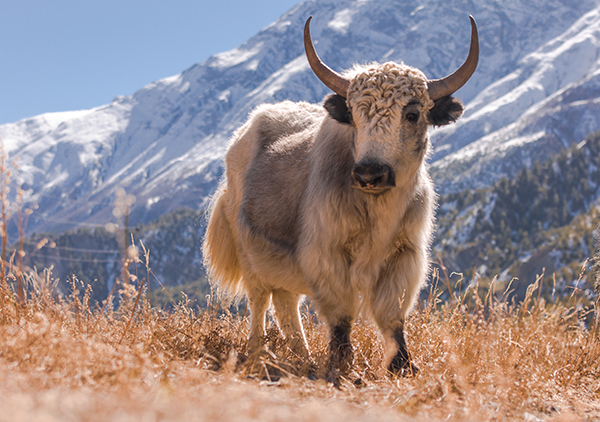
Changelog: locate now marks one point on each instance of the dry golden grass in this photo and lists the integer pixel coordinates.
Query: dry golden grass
(481, 359)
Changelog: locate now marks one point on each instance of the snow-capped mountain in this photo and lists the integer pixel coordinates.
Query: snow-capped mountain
(551, 100)
(535, 88)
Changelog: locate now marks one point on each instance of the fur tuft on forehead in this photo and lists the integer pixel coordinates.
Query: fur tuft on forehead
(378, 92)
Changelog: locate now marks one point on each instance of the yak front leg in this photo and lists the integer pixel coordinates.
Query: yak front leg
(339, 309)
(392, 298)
(401, 364)
(336, 299)
(342, 353)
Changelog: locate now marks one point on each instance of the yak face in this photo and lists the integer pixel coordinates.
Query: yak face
(390, 109)
(390, 106)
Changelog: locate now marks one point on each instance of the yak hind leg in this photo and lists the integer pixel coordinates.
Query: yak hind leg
(288, 317)
(258, 302)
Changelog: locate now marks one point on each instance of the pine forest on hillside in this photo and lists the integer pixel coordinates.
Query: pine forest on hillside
(542, 220)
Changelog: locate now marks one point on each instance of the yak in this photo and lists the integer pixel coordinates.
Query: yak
(334, 202)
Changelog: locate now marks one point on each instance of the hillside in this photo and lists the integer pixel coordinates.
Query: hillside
(541, 220)
(95, 257)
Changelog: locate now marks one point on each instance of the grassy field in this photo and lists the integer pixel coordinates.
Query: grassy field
(481, 358)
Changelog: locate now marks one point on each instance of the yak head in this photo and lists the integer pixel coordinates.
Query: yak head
(390, 106)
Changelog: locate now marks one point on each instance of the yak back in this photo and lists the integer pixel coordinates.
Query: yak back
(276, 177)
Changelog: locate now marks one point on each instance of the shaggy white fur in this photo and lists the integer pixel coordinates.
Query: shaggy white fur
(287, 220)
(378, 93)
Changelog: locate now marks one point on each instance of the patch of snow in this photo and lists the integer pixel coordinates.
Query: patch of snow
(236, 56)
(278, 80)
(417, 9)
(279, 25)
(185, 87)
(525, 257)
(341, 20)
(152, 201)
(252, 65)
(224, 96)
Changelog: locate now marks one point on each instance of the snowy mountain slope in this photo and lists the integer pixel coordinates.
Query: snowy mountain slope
(165, 143)
(550, 101)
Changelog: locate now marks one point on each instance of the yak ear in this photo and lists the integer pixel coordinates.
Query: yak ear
(337, 108)
(446, 110)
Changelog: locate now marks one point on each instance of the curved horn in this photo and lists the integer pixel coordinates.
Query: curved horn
(332, 80)
(439, 88)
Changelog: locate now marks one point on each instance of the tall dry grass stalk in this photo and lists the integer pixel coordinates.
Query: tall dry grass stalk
(5, 174)
(481, 358)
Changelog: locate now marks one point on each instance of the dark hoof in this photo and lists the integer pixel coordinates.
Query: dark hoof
(334, 377)
(312, 373)
(403, 368)
(359, 383)
(340, 366)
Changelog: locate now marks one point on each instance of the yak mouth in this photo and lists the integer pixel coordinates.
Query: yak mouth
(370, 189)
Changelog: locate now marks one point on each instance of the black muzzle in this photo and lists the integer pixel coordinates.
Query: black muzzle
(373, 177)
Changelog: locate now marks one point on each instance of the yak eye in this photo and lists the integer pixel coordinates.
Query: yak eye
(412, 117)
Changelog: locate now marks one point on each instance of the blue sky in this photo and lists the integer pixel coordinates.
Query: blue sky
(64, 55)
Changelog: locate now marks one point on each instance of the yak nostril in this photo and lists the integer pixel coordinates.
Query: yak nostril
(365, 178)
(373, 176)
